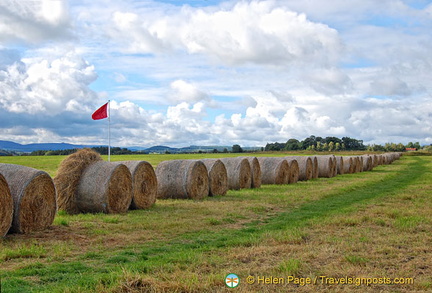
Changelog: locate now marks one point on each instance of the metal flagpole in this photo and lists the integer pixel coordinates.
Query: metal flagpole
(109, 131)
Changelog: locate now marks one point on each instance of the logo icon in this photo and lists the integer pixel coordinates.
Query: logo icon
(232, 280)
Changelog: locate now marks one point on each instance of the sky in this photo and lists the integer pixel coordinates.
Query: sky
(210, 72)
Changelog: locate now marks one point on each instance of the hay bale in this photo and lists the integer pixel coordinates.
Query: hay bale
(104, 187)
(349, 165)
(239, 173)
(367, 163)
(326, 166)
(340, 165)
(6, 207)
(256, 171)
(69, 175)
(34, 197)
(218, 176)
(144, 184)
(375, 160)
(182, 179)
(274, 170)
(294, 170)
(359, 167)
(315, 172)
(305, 166)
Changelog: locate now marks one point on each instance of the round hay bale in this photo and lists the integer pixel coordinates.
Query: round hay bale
(256, 171)
(144, 184)
(340, 165)
(326, 166)
(104, 187)
(375, 160)
(274, 170)
(69, 175)
(359, 167)
(305, 166)
(182, 179)
(294, 170)
(34, 197)
(218, 177)
(239, 173)
(380, 159)
(367, 163)
(315, 172)
(6, 207)
(349, 165)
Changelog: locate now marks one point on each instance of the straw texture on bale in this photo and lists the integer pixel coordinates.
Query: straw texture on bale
(294, 170)
(187, 179)
(359, 167)
(339, 165)
(375, 161)
(326, 166)
(34, 197)
(69, 175)
(104, 188)
(274, 170)
(239, 173)
(6, 207)
(218, 177)
(144, 184)
(305, 167)
(256, 171)
(315, 172)
(348, 165)
(367, 163)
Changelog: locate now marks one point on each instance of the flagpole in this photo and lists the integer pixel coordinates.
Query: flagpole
(109, 131)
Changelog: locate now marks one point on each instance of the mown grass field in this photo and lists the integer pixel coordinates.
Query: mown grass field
(373, 225)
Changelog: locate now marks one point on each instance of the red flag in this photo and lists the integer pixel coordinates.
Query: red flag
(101, 113)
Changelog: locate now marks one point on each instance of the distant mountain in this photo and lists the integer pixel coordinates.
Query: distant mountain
(28, 148)
(10, 146)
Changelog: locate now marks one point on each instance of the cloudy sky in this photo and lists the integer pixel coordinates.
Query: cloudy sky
(210, 72)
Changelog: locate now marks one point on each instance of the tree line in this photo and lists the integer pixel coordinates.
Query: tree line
(331, 143)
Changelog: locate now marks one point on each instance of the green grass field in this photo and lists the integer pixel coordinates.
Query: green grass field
(366, 227)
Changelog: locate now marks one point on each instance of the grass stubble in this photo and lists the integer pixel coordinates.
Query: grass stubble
(373, 225)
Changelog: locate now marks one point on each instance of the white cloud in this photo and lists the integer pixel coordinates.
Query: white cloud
(257, 32)
(49, 86)
(33, 21)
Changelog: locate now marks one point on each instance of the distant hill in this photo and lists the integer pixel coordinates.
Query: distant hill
(10, 146)
(28, 148)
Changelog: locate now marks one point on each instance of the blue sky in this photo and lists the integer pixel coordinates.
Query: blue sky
(215, 72)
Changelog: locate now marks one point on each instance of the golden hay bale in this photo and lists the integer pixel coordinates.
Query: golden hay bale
(294, 170)
(326, 166)
(375, 160)
(315, 172)
(380, 159)
(182, 179)
(68, 177)
(340, 165)
(367, 163)
(256, 171)
(218, 176)
(144, 184)
(104, 187)
(305, 166)
(359, 167)
(274, 170)
(34, 197)
(239, 173)
(6, 207)
(348, 165)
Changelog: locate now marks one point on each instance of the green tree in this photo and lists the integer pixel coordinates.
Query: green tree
(237, 149)
(292, 145)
